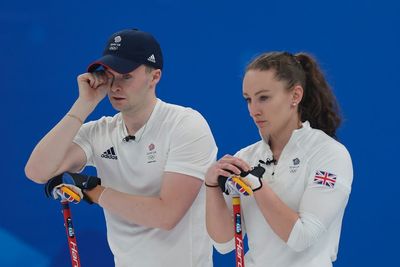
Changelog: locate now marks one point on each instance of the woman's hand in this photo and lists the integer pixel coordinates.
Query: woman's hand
(225, 167)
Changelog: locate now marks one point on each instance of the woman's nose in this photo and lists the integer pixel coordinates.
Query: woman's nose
(254, 110)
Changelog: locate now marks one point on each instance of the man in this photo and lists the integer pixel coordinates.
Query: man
(151, 157)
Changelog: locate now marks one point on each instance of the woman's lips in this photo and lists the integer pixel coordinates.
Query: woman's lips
(261, 123)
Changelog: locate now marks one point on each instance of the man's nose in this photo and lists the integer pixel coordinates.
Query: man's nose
(114, 86)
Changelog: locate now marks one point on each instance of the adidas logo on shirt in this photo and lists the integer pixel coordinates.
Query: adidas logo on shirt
(152, 58)
(109, 154)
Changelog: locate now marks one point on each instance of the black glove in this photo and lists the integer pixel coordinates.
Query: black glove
(222, 180)
(81, 181)
(248, 177)
(254, 178)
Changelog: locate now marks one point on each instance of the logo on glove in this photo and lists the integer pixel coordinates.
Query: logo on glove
(244, 184)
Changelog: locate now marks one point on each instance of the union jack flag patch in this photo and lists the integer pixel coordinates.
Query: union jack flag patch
(325, 179)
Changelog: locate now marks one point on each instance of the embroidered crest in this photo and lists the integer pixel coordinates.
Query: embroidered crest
(151, 153)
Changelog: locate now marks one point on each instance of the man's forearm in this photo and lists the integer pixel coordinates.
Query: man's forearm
(151, 212)
(50, 152)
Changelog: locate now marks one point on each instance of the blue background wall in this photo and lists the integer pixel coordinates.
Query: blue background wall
(44, 45)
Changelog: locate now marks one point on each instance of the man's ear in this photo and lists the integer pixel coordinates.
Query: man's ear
(155, 77)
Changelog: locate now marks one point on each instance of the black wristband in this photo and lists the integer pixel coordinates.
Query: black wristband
(258, 188)
(209, 185)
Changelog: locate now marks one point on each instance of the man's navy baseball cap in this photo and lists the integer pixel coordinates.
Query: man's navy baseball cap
(128, 49)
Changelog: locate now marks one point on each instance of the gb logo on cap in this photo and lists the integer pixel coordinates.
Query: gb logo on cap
(116, 44)
(117, 39)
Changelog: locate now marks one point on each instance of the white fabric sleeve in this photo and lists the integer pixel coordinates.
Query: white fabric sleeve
(192, 147)
(321, 204)
(224, 248)
(83, 140)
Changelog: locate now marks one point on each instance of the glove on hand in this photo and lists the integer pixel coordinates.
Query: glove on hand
(68, 193)
(74, 181)
(233, 184)
(253, 178)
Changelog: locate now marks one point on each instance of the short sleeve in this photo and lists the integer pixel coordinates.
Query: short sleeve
(192, 147)
(82, 139)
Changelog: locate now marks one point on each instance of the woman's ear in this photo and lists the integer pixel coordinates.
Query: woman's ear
(297, 95)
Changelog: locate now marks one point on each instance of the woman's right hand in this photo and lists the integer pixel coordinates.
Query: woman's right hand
(93, 87)
(223, 166)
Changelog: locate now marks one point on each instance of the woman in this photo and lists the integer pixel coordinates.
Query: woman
(294, 216)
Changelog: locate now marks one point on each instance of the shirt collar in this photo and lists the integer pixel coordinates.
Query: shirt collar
(294, 138)
(145, 126)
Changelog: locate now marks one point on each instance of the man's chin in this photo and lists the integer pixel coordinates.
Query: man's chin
(116, 107)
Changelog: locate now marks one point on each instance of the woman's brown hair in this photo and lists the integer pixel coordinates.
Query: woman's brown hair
(319, 105)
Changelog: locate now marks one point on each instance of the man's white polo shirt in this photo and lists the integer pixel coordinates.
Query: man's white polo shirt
(175, 139)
